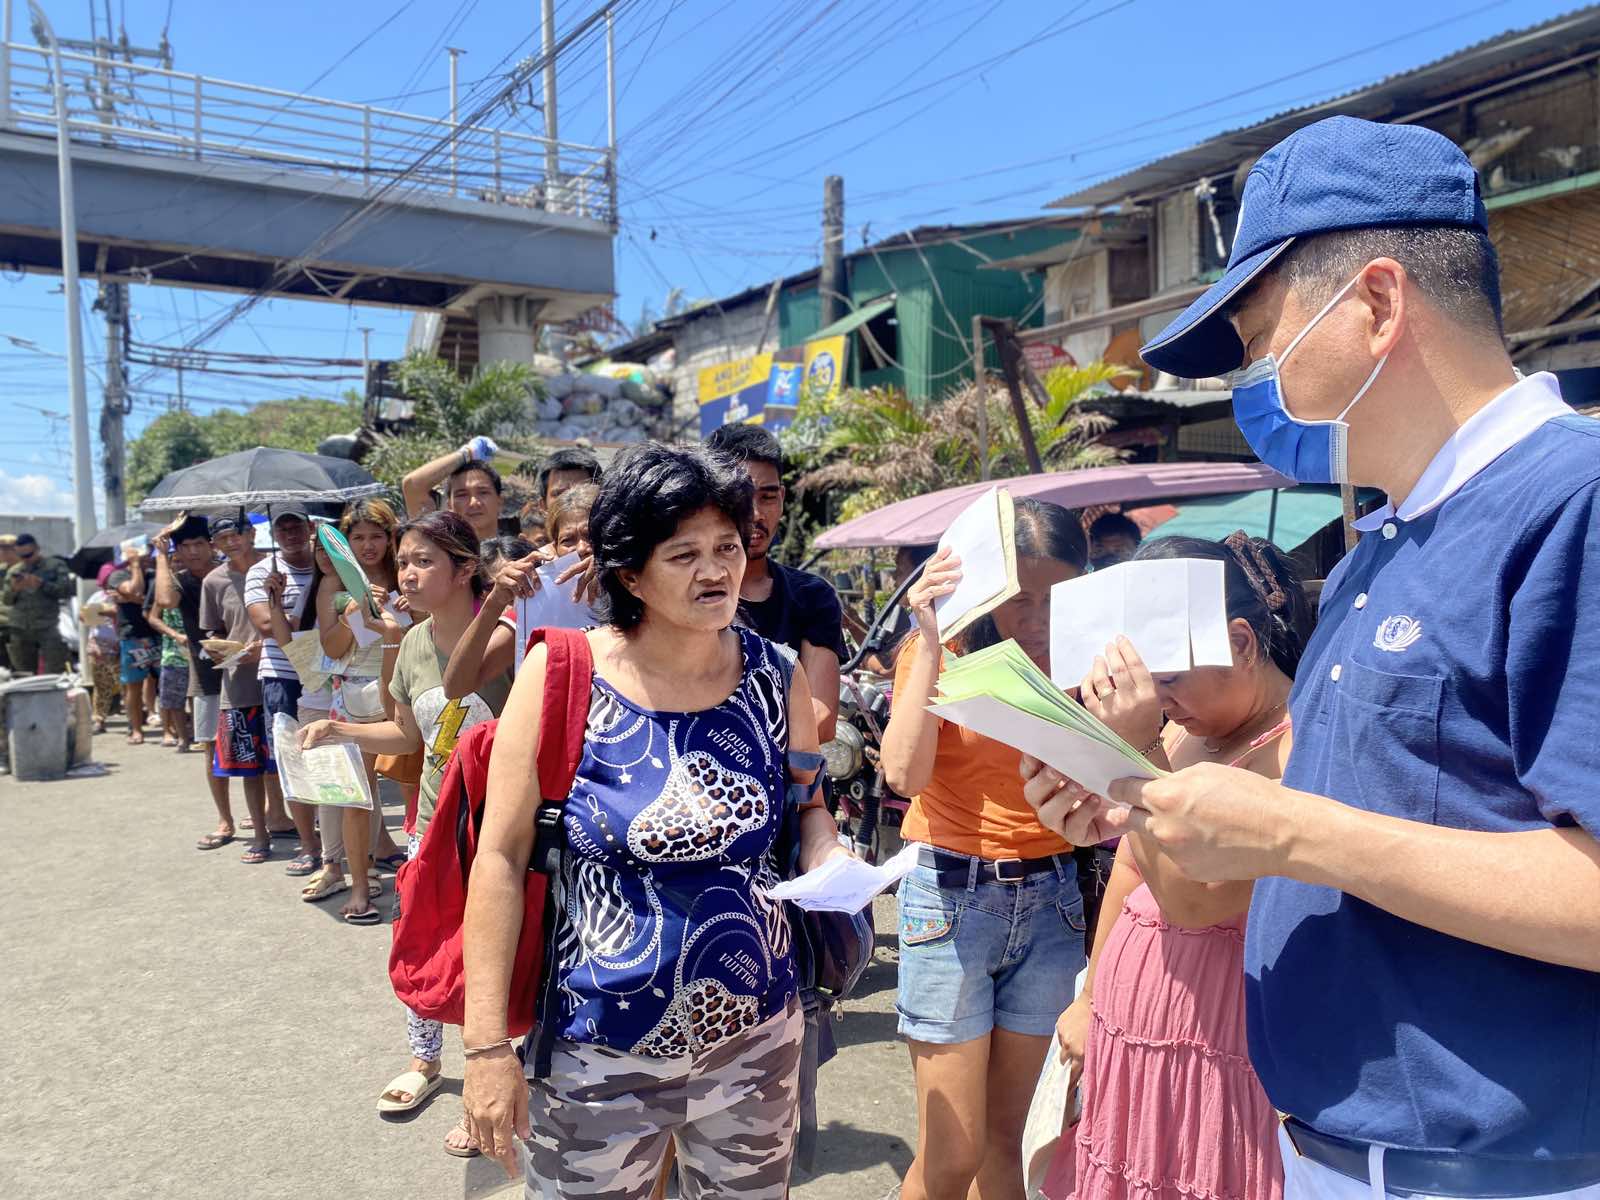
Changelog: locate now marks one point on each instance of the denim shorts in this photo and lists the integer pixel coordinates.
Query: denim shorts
(988, 954)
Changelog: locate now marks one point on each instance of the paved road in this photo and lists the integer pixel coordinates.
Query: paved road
(183, 1026)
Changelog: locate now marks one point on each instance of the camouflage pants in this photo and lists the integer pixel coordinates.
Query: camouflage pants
(602, 1121)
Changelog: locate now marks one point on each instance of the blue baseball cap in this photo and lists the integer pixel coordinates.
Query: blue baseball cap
(1340, 173)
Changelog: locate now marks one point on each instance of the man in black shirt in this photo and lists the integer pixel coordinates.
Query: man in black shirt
(139, 646)
(791, 607)
(184, 556)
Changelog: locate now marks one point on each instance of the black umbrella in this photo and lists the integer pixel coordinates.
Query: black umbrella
(258, 479)
(101, 548)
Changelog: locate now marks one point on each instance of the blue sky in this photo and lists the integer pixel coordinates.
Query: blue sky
(731, 114)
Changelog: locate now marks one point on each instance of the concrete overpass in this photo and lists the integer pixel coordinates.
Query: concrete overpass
(199, 182)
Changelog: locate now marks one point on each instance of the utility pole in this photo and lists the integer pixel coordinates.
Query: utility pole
(610, 108)
(366, 360)
(455, 129)
(113, 302)
(832, 284)
(82, 472)
(552, 156)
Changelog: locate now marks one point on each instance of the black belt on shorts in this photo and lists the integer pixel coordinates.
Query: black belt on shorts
(955, 869)
(1443, 1173)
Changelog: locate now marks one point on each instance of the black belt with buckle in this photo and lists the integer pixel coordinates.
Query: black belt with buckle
(1445, 1173)
(955, 869)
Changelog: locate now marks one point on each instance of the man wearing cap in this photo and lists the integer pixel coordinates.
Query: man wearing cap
(1423, 947)
(184, 557)
(8, 555)
(33, 588)
(283, 580)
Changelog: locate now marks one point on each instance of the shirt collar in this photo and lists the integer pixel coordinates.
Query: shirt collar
(1483, 437)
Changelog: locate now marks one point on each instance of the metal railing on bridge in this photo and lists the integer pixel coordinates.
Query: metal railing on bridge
(150, 110)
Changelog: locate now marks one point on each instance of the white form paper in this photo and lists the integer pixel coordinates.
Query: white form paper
(1085, 760)
(365, 635)
(553, 606)
(328, 774)
(845, 884)
(1172, 610)
(977, 539)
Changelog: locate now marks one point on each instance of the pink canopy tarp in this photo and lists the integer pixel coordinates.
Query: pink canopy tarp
(923, 519)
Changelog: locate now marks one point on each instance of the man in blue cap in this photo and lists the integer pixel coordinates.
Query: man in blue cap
(1423, 954)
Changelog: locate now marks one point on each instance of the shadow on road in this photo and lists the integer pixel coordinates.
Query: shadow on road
(843, 1148)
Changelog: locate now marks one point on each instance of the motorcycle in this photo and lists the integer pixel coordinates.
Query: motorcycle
(862, 803)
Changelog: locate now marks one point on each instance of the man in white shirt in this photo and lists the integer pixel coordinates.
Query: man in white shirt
(282, 580)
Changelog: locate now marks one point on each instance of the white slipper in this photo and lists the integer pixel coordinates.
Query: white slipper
(420, 1087)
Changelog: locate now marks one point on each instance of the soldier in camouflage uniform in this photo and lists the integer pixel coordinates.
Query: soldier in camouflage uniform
(8, 555)
(34, 587)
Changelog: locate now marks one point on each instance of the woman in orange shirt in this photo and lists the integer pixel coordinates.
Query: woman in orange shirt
(991, 922)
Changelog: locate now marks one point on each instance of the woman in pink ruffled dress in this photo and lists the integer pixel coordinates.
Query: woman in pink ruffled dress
(1171, 1107)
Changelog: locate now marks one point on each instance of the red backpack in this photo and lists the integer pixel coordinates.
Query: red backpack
(425, 960)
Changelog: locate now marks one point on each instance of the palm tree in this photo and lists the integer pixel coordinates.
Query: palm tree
(874, 446)
(498, 400)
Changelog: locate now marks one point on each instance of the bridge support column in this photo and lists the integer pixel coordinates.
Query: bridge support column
(506, 328)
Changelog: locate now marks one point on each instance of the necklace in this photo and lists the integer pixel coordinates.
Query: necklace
(1213, 746)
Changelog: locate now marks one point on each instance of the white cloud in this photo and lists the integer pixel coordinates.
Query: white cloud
(35, 494)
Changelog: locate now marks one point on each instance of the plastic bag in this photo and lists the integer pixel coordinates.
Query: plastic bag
(330, 774)
(1047, 1143)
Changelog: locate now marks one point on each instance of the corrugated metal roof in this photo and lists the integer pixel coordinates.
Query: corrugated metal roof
(1389, 98)
(922, 236)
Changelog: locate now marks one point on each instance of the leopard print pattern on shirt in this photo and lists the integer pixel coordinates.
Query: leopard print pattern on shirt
(702, 810)
(701, 1016)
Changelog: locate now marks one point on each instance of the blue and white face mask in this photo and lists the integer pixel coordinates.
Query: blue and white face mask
(1305, 451)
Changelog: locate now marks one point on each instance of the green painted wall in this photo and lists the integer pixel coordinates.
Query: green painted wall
(939, 291)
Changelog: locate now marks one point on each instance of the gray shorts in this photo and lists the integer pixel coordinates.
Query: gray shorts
(206, 709)
(602, 1120)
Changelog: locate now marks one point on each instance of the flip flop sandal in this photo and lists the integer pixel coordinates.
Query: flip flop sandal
(393, 862)
(371, 916)
(415, 1084)
(302, 864)
(464, 1151)
(290, 832)
(213, 841)
(323, 885)
(256, 854)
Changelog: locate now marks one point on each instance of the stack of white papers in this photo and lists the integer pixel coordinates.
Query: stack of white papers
(553, 606)
(999, 693)
(845, 884)
(1172, 610)
(983, 537)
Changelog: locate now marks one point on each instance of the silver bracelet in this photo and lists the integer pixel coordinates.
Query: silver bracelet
(475, 1051)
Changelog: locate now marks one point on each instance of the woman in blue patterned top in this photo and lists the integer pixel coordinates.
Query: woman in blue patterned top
(676, 1017)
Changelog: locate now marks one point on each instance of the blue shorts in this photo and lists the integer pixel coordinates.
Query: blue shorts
(279, 696)
(140, 660)
(988, 955)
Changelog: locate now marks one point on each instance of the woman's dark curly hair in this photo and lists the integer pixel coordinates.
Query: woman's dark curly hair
(645, 495)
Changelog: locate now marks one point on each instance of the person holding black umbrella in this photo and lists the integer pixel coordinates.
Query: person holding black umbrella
(282, 580)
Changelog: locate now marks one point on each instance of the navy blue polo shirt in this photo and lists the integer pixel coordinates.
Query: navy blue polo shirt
(1454, 678)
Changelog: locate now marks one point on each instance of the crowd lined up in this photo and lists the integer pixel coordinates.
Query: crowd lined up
(1346, 945)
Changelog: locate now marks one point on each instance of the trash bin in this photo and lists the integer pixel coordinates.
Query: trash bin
(36, 727)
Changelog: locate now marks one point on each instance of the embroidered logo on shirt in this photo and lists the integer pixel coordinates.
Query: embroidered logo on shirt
(1397, 634)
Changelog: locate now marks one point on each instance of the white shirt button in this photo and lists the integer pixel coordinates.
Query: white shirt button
(1337, 671)
(1390, 530)
(1361, 600)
